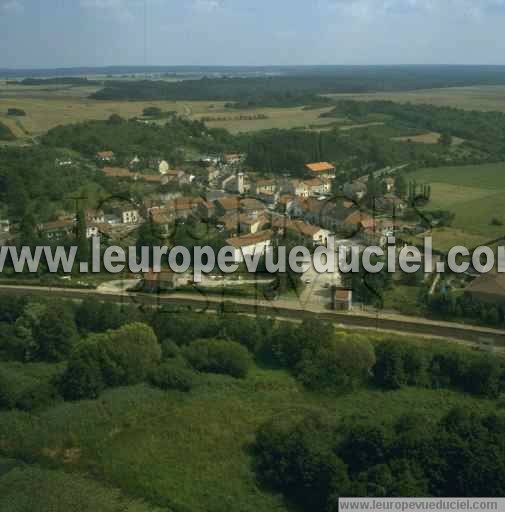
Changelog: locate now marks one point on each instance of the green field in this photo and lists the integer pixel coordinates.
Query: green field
(50, 106)
(467, 98)
(194, 449)
(475, 194)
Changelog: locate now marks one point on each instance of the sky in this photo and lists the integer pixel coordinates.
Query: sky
(72, 33)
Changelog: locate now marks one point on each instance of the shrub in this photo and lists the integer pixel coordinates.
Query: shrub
(170, 349)
(345, 361)
(219, 356)
(16, 112)
(27, 386)
(173, 375)
(133, 351)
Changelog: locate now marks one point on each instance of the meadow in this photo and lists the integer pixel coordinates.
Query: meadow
(486, 98)
(475, 194)
(192, 451)
(47, 107)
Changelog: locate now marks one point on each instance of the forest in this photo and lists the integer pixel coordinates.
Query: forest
(292, 86)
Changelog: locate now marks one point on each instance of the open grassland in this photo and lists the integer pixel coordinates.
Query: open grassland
(47, 107)
(194, 449)
(475, 194)
(468, 98)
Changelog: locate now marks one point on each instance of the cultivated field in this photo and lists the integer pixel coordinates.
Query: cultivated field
(475, 193)
(47, 107)
(468, 98)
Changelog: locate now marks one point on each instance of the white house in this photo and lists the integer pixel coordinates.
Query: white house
(129, 216)
(250, 244)
(163, 167)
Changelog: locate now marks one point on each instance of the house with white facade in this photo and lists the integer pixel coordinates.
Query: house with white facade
(250, 244)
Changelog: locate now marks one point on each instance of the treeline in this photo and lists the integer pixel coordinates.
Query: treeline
(484, 128)
(61, 80)
(314, 460)
(464, 307)
(105, 345)
(300, 86)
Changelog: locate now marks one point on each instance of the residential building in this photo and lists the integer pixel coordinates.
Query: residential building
(105, 156)
(321, 169)
(58, 229)
(252, 223)
(127, 215)
(252, 206)
(120, 173)
(94, 216)
(356, 190)
(265, 187)
(227, 204)
(233, 158)
(250, 245)
(163, 167)
(184, 207)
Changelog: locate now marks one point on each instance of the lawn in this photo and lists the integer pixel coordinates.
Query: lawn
(475, 194)
(194, 449)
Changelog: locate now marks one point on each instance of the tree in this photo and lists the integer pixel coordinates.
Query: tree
(401, 186)
(81, 237)
(345, 361)
(134, 352)
(445, 139)
(55, 334)
(389, 372)
(152, 112)
(84, 378)
(115, 119)
(149, 235)
(219, 356)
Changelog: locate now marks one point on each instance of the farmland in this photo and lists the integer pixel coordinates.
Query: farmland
(475, 194)
(47, 107)
(486, 98)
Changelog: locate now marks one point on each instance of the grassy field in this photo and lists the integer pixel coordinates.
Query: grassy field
(194, 449)
(468, 98)
(47, 107)
(475, 194)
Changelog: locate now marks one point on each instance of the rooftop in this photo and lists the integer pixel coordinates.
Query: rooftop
(248, 240)
(320, 167)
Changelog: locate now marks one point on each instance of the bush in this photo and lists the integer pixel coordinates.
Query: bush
(173, 375)
(170, 349)
(27, 386)
(219, 356)
(16, 112)
(345, 361)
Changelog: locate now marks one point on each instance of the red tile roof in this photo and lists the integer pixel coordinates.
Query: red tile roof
(320, 167)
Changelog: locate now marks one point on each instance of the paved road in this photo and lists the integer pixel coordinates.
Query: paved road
(291, 309)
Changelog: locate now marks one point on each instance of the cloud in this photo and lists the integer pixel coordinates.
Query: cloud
(12, 6)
